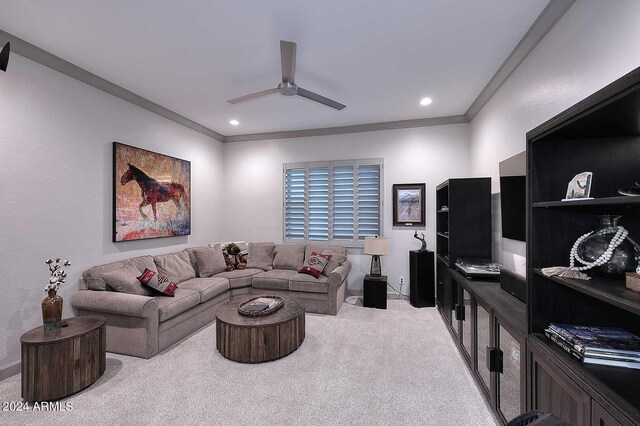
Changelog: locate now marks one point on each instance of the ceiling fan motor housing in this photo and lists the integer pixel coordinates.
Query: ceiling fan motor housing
(287, 89)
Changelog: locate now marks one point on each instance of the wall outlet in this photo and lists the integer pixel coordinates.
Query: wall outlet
(401, 279)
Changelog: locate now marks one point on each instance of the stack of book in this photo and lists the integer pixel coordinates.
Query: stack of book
(597, 345)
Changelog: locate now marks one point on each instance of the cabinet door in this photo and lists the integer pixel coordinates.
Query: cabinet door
(465, 324)
(483, 324)
(601, 417)
(457, 312)
(442, 273)
(552, 391)
(511, 374)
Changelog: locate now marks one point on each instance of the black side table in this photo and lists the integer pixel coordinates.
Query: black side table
(375, 292)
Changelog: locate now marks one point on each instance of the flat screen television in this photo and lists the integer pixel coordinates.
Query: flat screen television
(513, 196)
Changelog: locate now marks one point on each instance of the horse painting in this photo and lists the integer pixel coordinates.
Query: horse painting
(163, 182)
(152, 191)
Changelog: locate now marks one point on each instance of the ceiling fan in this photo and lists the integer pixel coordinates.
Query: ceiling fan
(288, 87)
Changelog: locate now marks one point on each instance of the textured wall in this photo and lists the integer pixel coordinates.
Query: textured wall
(254, 183)
(56, 192)
(593, 44)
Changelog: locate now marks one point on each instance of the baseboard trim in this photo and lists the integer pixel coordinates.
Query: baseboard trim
(10, 371)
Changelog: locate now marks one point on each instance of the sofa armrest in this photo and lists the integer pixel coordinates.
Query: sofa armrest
(338, 275)
(115, 303)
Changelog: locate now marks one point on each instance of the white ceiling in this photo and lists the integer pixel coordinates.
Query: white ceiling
(379, 57)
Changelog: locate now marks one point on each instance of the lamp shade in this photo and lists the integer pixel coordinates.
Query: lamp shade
(376, 246)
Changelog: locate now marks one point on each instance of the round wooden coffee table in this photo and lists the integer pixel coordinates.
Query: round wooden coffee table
(261, 339)
(59, 363)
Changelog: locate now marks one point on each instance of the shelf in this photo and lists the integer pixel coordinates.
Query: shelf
(609, 290)
(608, 201)
(444, 259)
(442, 211)
(615, 383)
(442, 234)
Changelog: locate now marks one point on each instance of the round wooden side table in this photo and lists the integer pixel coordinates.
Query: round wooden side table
(259, 339)
(59, 363)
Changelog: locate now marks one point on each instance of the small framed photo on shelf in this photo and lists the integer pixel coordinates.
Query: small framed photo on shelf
(580, 187)
(409, 204)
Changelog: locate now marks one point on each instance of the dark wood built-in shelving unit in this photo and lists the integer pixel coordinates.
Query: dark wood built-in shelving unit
(602, 135)
(464, 230)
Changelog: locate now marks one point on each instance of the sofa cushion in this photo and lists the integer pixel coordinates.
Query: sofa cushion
(210, 260)
(309, 284)
(276, 279)
(175, 266)
(288, 257)
(261, 256)
(183, 299)
(240, 277)
(93, 276)
(125, 280)
(207, 287)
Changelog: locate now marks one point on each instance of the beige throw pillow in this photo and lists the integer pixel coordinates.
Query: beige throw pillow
(335, 261)
(175, 266)
(125, 280)
(261, 256)
(210, 260)
(288, 257)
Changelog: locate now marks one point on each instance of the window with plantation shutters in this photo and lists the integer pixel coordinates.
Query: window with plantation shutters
(337, 201)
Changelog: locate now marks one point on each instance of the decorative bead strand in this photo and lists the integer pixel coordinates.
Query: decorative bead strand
(605, 257)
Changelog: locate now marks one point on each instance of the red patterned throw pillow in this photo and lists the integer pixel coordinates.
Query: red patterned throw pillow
(315, 264)
(157, 282)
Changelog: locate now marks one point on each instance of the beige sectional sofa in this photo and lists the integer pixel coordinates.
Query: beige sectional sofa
(144, 324)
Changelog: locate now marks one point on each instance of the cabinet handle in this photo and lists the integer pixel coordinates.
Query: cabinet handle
(459, 312)
(494, 359)
(491, 359)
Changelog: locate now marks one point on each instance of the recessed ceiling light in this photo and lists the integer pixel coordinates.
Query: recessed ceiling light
(425, 101)
(234, 122)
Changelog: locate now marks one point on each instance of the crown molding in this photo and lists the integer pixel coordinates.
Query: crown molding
(34, 53)
(356, 128)
(549, 16)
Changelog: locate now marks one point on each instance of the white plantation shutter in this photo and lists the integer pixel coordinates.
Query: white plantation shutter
(343, 203)
(319, 203)
(369, 200)
(338, 201)
(295, 201)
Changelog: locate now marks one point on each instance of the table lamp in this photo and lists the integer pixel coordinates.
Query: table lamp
(376, 247)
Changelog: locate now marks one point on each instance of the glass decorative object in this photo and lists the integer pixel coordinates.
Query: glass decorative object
(52, 311)
(625, 257)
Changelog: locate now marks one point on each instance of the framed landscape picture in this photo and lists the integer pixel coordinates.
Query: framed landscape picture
(409, 204)
(151, 194)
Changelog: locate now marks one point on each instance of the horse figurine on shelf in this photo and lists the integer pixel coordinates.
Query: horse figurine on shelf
(421, 238)
(153, 192)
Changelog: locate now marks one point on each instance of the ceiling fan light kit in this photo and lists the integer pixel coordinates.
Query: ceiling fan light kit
(288, 87)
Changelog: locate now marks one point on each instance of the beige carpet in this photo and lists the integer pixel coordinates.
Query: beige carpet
(365, 367)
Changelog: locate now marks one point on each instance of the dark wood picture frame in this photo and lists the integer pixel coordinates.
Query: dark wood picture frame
(404, 204)
(149, 208)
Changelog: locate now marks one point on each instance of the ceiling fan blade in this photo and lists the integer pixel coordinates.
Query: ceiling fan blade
(4, 56)
(252, 95)
(319, 98)
(288, 60)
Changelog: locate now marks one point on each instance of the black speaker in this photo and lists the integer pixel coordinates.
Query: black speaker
(514, 284)
(422, 288)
